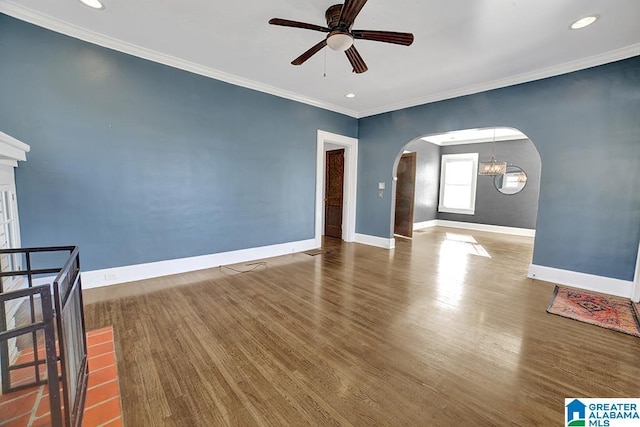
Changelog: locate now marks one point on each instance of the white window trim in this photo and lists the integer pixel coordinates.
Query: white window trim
(474, 182)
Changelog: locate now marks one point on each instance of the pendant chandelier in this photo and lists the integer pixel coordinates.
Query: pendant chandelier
(492, 167)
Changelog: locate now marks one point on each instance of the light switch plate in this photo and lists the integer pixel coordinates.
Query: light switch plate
(381, 186)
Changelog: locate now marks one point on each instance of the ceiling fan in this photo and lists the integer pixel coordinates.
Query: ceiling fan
(340, 35)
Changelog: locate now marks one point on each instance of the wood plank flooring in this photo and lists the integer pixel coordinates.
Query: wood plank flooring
(444, 330)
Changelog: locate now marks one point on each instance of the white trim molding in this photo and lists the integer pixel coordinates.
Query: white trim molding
(12, 150)
(53, 24)
(350, 146)
(514, 231)
(425, 224)
(379, 242)
(530, 76)
(42, 20)
(590, 282)
(131, 273)
(635, 296)
(450, 159)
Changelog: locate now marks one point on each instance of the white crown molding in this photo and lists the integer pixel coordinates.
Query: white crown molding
(53, 24)
(556, 70)
(48, 22)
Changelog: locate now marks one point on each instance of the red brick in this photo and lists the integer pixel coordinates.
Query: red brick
(102, 413)
(19, 406)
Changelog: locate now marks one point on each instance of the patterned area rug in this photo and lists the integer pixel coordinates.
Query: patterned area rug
(597, 309)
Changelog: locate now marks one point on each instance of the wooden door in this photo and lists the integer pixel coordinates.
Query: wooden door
(405, 194)
(333, 193)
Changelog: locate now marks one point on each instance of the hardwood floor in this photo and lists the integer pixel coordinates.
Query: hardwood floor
(441, 331)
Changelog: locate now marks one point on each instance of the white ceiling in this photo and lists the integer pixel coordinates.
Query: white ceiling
(460, 47)
(475, 136)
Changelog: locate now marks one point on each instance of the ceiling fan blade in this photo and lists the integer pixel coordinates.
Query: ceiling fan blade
(405, 39)
(356, 60)
(296, 24)
(308, 54)
(350, 10)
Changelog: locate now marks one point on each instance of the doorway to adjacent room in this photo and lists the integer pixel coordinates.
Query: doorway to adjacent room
(328, 142)
(333, 193)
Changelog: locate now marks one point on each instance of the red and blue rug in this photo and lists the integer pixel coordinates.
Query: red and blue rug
(606, 311)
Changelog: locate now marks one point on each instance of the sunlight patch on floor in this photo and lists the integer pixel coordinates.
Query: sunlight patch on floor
(464, 243)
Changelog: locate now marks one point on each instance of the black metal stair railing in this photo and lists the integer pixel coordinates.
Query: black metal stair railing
(62, 320)
(51, 359)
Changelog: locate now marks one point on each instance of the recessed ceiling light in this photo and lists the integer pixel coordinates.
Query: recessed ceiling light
(95, 4)
(350, 95)
(583, 22)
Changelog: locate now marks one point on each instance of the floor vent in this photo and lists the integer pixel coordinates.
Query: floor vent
(314, 252)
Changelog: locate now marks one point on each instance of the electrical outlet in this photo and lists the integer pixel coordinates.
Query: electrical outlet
(110, 276)
(380, 194)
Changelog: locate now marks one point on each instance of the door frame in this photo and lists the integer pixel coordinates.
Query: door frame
(350, 145)
(635, 291)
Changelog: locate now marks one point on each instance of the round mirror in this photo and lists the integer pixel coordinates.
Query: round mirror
(512, 182)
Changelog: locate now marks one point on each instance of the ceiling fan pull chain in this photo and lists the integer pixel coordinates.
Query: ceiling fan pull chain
(325, 63)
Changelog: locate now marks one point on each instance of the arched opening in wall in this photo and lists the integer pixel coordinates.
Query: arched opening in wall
(438, 183)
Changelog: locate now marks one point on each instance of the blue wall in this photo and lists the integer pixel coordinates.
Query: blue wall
(139, 162)
(589, 215)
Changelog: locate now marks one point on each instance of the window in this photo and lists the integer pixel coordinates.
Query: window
(512, 180)
(458, 174)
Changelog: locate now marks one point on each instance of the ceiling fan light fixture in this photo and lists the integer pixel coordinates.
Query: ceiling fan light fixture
(339, 40)
(94, 4)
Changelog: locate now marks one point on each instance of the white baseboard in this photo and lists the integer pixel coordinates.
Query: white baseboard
(380, 242)
(391, 243)
(605, 285)
(425, 224)
(526, 232)
(130, 273)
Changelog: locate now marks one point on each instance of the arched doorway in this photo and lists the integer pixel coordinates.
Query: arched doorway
(506, 204)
